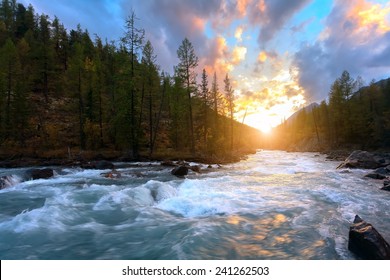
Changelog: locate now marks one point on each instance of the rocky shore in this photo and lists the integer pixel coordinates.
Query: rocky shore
(364, 240)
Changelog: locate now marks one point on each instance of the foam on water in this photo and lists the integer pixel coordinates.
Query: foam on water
(273, 205)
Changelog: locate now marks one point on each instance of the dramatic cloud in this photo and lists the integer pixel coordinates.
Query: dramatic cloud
(272, 15)
(238, 34)
(278, 53)
(356, 38)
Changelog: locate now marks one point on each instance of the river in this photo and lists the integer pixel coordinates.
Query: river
(274, 205)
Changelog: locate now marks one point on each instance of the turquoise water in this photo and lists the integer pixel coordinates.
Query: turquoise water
(275, 205)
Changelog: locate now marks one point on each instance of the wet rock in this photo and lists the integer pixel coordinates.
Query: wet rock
(45, 173)
(209, 167)
(364, 159)
(112, 174)
(101, 164)
(382, 171)
(376, 176)
(366, 242)
(182, 162)
(195, 168)
(386, 185)
(180, 171)
(8, 181)
(168, 163)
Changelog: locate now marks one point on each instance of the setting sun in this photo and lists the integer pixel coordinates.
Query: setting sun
(264, 118)
(260, 121)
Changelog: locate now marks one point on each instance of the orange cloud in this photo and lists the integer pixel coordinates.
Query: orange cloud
(238, 54)
(262, 57)
(222, 48)
(198, 23)
(368, 16)
(262, 6)
(220, 61)
(238, 33)
(241, 6)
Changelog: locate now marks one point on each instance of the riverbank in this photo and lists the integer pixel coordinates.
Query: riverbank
(25, 158)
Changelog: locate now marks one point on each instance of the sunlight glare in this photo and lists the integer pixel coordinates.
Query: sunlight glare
(260, 121)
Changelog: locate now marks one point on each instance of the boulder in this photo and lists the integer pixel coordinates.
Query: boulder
(366, 242)
(180, 171)
(363, 159)
(45, 173)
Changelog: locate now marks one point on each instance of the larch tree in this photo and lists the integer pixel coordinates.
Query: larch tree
(204, 97)
(133, 40)
(229, 95)
(150, 74)
(185, 70)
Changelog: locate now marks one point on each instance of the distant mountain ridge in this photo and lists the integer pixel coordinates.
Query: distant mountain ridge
(307, 108)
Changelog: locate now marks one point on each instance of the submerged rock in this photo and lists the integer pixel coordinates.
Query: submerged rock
(366, 242)
(45, 173)
(114, 174)
(180, 171)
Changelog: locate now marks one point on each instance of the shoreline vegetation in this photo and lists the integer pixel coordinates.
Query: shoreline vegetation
(66, 99)
(61, 88)
(69, 157)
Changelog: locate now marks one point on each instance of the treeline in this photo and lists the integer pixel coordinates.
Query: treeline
(354, 117)
(61, 89)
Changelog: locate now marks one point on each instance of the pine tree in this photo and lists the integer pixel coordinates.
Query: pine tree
(133, 41)
(205, 99)
(150, 74)
(9, 67)
(229, 95)
(185, 70)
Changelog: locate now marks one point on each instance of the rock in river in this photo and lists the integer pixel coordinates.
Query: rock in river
(366, 242)
(8, 181)
(180, 171)
(366, 160)
(376, 176)
(386, 185)
(100, 164)
(45, 173)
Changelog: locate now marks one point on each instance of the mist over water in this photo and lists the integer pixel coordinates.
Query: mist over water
(275, 205)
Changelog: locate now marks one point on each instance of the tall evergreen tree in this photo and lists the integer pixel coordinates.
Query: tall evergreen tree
(133, 40)
(205, 99)
(185, 70)
(229, 94)
(150, 74)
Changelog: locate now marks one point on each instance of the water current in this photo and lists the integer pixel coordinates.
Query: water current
(274, 205)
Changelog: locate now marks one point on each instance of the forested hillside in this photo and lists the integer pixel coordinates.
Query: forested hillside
(354, 117)
(63, 92)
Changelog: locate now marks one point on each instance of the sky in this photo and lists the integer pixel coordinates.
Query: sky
(281, 55)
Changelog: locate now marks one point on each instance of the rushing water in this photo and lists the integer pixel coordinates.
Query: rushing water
(275, 205)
